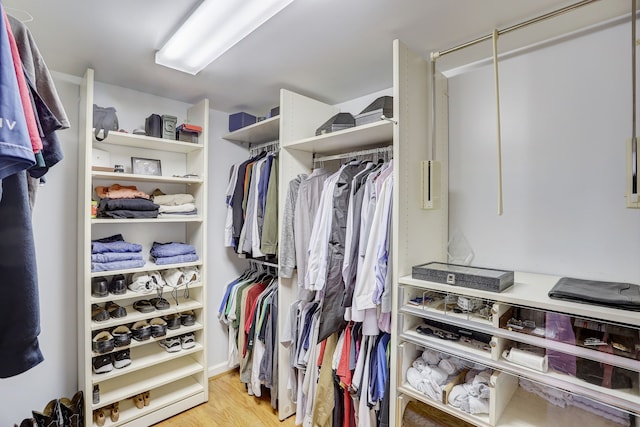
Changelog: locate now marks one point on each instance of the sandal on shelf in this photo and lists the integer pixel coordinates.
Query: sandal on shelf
(143, 306)
(98, 313)
(115, 310)
(146, 397)
(160, 303)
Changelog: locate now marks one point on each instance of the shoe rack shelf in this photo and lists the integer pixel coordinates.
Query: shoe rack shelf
(145, 356)
(511, 404)
(149, 266)
(178, 380)
(170, 333)
(135, 316)
(166, 291)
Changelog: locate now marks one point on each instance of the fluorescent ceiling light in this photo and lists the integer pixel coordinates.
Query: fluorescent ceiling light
(212, 29)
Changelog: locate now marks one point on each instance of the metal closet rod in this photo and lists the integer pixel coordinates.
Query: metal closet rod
(354, 154)
(256, 148)
(260, 262)
(437, 54)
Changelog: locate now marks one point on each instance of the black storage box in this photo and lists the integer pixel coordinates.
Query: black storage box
(486, 279)
(338, 122)
(240, 120)
(382, 106)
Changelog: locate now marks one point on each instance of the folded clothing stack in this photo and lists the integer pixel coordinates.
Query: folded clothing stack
(172, 253)
(430, 372)
(114, 253)
(174, 204)
(118, 201)
(472, 396)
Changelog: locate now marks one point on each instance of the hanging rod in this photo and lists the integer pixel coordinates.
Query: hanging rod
(258, 261)
(353, 154)
(265, 145)
(437, 54)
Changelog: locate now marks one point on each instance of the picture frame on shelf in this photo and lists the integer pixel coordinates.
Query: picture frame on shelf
(142, 166)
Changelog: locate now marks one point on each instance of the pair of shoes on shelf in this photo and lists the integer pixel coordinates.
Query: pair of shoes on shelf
(147, 306)
(111, 310)
(182, 342)
(100, 416)
(106, 362)
(101, 287)
(175, 320)
(59, 412)
(143, 399)
(144, 330)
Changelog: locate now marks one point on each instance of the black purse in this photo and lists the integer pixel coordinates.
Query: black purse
(153, 126)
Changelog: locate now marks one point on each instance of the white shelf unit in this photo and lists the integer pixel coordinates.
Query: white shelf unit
(513, 405)
(177, 381)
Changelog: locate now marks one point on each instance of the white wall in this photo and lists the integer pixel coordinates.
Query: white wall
(566, 114)
(55, 230)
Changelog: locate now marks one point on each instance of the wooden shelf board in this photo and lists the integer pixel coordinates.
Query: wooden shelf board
(147, 142)
(126, 386)
(356, 138)
(160, 220)
(160, 398)
(145, 178)
(531, 290)
(265, 131)
(479, 420)
(133, 315)
(149, 266)
(170, 333)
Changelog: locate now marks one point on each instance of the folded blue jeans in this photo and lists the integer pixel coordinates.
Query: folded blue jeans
(171, 249)
(176, 259)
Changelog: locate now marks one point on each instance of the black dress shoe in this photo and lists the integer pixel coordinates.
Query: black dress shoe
(99, 287)
(118, 285)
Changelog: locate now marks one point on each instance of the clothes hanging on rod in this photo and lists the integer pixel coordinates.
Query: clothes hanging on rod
(251, 225)
(344, 298)
(249, 309)
(30, 113)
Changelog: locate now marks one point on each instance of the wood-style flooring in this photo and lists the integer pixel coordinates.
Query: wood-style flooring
(229, 405)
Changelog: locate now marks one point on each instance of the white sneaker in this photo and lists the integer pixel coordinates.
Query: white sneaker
(188, 341)
(170, 344)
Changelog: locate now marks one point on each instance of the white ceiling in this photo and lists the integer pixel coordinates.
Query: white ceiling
(332, 50)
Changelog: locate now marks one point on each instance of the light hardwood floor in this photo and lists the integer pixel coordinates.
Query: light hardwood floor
(230, 406)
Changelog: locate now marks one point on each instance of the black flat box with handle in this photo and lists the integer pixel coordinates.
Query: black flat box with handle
(486, 279)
